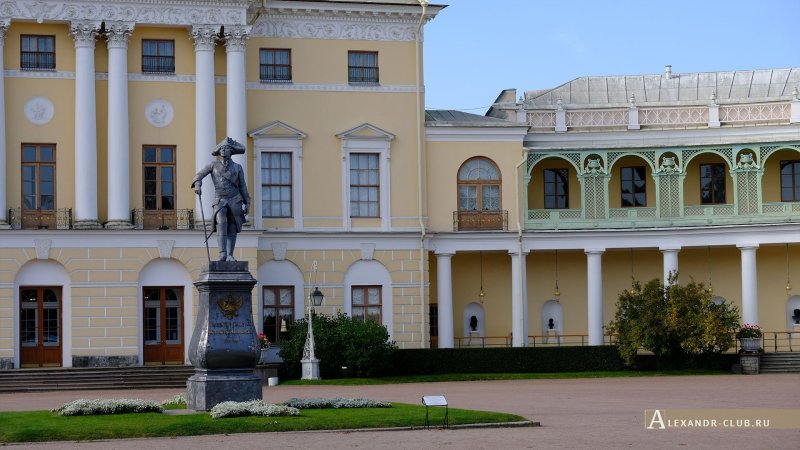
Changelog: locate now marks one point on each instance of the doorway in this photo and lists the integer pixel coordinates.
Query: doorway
(163, 325)
(40, 326)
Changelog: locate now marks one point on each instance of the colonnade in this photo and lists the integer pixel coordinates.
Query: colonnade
(594, 292)
(84, 34)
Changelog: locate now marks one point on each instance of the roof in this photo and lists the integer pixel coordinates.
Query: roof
(451, 117)
(733, 86)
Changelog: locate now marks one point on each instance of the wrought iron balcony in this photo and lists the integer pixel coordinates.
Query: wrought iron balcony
(480, 220)
(40, 219)
(162, 219)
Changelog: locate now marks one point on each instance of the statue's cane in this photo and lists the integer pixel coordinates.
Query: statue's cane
(205, 232)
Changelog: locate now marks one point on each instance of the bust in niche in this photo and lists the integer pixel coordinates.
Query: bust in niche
(551, 325)
(473, 323)
(796, 316)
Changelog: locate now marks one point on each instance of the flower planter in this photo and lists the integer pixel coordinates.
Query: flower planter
(750, 344)
(264, 356)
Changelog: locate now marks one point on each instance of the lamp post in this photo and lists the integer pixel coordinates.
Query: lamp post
(310, 362)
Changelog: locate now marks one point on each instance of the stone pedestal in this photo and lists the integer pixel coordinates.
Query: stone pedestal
(310, 369)
(224, 348)
(750, 362)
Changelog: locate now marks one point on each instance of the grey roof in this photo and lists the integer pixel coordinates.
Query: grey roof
(451, 117)
(735, 86)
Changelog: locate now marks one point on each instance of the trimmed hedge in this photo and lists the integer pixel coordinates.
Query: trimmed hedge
(505, 360)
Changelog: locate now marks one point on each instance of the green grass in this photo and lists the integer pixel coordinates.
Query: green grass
(503, 376)
(40, 426)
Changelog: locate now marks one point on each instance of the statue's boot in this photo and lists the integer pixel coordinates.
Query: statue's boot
(230, 245)
(222, 239)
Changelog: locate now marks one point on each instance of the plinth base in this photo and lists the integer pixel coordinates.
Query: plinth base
(207, 388)
(310, 369)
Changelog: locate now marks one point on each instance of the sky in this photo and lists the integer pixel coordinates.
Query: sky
(476, 48)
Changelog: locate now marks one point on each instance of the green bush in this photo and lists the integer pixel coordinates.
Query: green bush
(340, 341)
(505, 360)
(674, 322)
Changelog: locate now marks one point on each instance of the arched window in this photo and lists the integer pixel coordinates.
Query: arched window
(479, 185)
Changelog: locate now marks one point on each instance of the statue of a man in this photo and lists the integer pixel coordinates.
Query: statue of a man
(231, 200)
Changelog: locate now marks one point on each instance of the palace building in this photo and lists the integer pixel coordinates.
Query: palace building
(531, 219)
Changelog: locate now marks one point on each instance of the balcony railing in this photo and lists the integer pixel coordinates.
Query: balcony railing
(550, 340)
(162, 219)
(480, 220)
(40, 219)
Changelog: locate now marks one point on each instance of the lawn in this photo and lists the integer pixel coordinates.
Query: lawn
(40, 426)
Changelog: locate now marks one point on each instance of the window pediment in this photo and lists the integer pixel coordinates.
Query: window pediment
(277, 129)
(366, 131)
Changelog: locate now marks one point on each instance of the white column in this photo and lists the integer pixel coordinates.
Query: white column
(519, 321)
(444, 290)
(119, 198)
(749, 284)
(205, 131)
(84, 34)
(670, 262)
(4, 24)
(594, 272)
(235, 43)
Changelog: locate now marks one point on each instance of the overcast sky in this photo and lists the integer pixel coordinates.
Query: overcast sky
(476, 48)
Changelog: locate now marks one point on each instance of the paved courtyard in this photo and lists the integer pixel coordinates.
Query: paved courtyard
(606, 413)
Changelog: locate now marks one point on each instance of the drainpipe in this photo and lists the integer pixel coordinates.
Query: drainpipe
(420, 174)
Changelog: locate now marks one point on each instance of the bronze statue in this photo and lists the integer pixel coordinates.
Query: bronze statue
(231, 199)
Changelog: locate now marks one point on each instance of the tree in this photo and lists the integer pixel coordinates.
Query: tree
(362, 346)
(672, 321)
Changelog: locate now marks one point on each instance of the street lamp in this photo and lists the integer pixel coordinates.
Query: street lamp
(310, 362)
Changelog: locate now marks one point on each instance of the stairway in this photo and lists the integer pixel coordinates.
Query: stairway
(63, 378)
(782, 362)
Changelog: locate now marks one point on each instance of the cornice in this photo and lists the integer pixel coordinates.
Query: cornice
(164, 12)
(318, 20)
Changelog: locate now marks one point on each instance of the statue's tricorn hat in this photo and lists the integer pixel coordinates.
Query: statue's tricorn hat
(236, 147)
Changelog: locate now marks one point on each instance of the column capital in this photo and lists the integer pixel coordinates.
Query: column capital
(594, 251)
(236, 38)
(672, 249)
(744, 247)
(118, 33)
(84, 33)
(204, 37)
(444, 253)
(4, 24)
(518, 253)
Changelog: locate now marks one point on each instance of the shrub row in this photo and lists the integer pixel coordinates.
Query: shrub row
(505, 360)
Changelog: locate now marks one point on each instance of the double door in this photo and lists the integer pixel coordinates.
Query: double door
(40, 336)
(163, 325)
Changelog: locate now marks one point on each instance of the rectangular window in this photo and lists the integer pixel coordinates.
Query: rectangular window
(158, 56)
(367, 303)
(556, 188)
(364, 185)
(634, 187)
(38, 176)
(158, 162)
(790, 181)
(278, 312)
(362, 67)
(276, 184)
(712, 184)
(275, 64)
(38, 52)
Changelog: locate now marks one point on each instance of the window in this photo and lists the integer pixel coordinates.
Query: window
(556, 188)
(276, 184)
(38, 176)
(790, 181)
(364, 185)
(275, 64)
(478, 186)
(38, 52)
(158, 56)
(159, 177)
(367, 303)
(634, 192)
(362, 67)
(278, 312)
(712, 184)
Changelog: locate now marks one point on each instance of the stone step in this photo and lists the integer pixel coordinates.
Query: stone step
(49, 379)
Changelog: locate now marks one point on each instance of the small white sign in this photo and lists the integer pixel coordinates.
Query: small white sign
(434, 400)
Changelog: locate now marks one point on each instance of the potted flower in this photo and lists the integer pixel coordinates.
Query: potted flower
(749, 337)
(264, 344)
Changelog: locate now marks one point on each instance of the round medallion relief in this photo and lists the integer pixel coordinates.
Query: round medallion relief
(159, 113)
(39, 110)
